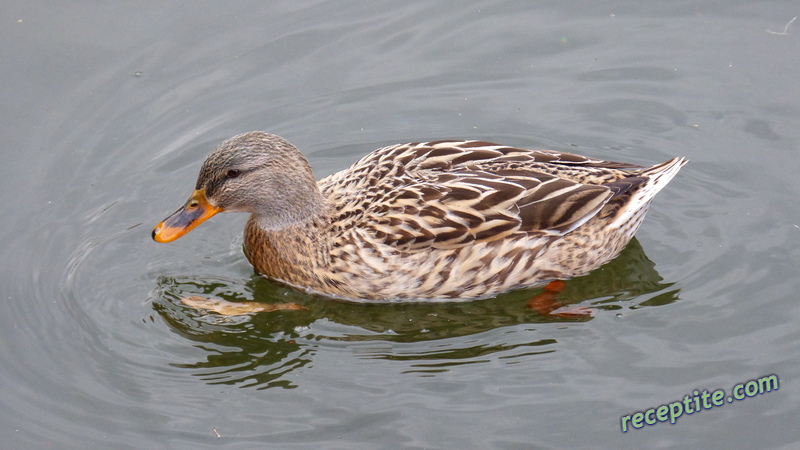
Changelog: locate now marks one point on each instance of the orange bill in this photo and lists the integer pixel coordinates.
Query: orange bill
(196, 211)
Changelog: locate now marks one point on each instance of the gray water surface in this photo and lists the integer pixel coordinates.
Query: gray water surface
(108, 110)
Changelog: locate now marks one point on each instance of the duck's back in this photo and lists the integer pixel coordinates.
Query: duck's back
(450, 193)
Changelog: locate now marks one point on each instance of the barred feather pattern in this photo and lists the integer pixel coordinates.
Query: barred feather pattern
(459, 220)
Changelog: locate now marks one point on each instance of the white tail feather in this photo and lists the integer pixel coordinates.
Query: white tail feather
(659, 175)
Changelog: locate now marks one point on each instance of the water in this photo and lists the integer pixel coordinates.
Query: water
(108, 111)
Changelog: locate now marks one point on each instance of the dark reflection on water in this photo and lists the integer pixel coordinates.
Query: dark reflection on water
(260, 349)
(253, 350)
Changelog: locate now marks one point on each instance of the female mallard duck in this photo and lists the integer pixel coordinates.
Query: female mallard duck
(430, 220)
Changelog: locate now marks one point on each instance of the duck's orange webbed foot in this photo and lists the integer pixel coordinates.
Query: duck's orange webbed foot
(227, 308)
(547, 303)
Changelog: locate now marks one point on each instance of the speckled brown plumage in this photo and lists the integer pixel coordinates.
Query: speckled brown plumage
(434, 220)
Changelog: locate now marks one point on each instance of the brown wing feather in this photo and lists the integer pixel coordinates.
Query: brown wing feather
(458, 208)
(448, 194)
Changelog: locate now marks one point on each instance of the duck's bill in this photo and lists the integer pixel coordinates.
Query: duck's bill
(196, 211)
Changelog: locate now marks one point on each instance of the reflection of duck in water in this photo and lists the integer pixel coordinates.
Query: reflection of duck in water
(435, 220)
(262, 349)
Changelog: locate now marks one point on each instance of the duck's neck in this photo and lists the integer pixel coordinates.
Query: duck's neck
(289, 254)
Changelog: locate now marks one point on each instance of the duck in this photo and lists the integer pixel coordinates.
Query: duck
(425, 221)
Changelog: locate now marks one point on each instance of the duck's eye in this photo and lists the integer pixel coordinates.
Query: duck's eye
(233, 173)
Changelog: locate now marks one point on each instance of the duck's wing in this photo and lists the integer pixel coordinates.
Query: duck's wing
(466, 206)
(449, 194)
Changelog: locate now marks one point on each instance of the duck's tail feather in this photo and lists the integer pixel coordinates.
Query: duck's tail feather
(657, 177)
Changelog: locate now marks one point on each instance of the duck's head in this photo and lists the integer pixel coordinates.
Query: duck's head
(255, 172)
